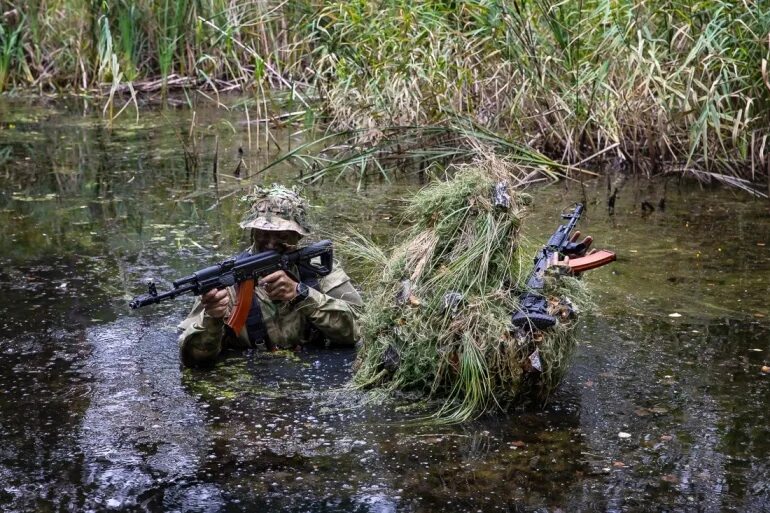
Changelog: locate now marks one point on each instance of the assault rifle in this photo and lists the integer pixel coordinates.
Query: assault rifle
(533, 307)
(316, 259)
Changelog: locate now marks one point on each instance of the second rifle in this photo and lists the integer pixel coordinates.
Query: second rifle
(533, 306)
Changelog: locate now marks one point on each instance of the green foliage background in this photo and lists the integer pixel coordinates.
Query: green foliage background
(663, 85)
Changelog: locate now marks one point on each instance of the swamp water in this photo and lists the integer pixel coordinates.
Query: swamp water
(665, 408)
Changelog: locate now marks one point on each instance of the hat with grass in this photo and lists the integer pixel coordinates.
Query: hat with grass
(276, 208)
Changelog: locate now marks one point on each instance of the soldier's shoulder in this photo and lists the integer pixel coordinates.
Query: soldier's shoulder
(337, 284)
(334, 279)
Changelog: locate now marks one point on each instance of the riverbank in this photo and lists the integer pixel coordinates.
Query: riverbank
(654, 88)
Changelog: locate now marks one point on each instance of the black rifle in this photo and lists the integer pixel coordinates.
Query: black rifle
(316, 259)
(533, 307)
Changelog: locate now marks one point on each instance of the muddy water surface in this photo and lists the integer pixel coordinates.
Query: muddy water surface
(664, 409)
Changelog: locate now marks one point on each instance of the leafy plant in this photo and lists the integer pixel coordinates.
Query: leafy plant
(10, 50)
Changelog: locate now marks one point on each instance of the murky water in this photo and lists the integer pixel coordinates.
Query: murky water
(95, 413)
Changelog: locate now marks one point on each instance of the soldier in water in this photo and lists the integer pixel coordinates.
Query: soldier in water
(288, 310)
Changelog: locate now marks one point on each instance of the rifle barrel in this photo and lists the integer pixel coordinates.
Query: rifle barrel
(151, 299)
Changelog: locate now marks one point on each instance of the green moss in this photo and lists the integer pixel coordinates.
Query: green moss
(229, 380)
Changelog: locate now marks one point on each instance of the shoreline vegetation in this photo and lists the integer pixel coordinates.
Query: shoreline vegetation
(562, 88)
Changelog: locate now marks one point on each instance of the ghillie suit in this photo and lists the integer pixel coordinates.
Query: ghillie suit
(437, 319)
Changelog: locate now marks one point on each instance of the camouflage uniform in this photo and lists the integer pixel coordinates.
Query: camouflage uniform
(329, 311)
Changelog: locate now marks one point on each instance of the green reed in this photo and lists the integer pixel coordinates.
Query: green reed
(10, 51)
(130, 37)
(652, 87)
(663, 85)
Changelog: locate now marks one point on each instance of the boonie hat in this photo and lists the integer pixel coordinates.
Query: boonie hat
(276, 208)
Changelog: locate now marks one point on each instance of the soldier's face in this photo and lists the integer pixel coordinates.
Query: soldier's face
(281, 241)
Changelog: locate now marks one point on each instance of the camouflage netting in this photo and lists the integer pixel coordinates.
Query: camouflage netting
(438, 311)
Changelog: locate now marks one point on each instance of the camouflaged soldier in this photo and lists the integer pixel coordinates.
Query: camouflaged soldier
(285, 313)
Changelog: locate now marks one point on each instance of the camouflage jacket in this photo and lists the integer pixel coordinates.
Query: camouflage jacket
(331, 310)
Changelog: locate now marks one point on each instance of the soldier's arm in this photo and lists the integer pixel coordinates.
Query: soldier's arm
(334, 311)
(203, 337)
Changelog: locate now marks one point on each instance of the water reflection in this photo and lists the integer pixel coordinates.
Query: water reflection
(141, 432)
(675, 389)
(43, 393)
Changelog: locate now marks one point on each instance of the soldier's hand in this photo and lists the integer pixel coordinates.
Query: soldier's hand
(583, 245)
(279, 286)
(215, 303)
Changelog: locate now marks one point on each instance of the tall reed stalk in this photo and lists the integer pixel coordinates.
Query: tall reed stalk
(172, 14)
(10, 51)
(129, 21)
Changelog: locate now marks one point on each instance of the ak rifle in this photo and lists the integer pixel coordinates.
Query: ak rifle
(533, 306)
(316, 259)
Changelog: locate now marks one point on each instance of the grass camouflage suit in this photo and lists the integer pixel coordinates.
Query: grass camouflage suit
(328, 310)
